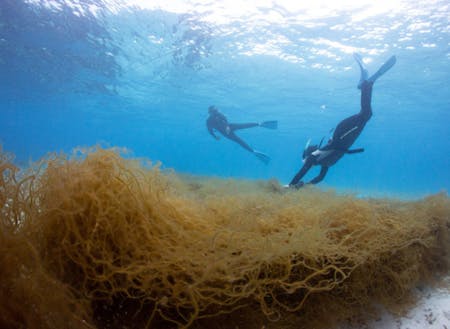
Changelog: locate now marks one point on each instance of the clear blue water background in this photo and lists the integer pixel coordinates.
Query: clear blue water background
(141, 74)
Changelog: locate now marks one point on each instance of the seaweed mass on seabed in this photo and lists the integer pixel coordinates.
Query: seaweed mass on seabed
(98, 240)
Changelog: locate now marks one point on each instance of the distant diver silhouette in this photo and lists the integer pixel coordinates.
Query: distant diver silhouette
(218, 121)
(345, 133)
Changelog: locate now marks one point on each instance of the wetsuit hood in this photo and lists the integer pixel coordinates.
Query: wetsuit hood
(212, 109)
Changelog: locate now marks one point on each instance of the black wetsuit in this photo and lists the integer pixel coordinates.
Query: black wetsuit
(219, 122)
(345, 134)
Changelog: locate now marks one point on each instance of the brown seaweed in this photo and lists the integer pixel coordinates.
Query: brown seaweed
(96, 240)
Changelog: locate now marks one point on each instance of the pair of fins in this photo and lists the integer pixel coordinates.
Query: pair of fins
(273, 124)
(364, 77)
(365, 74)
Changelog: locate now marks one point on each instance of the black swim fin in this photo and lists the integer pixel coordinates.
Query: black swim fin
(364, 73)
(383, 69)
(269, 124)
(261, 156)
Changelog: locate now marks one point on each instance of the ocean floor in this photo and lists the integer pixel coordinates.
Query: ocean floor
(432, 311)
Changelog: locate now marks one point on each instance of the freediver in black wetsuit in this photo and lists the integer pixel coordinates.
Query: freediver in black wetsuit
(345, 133)
(218, 121)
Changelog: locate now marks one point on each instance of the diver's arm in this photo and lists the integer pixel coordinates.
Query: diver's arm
(296, 180)
(323, 172)
(211, 131)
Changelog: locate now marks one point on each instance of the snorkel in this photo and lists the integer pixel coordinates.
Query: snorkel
(309, 149)
(304, 150)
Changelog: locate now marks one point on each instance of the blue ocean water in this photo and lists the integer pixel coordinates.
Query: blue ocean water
(141, 75)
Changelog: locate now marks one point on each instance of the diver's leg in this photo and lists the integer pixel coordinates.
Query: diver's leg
(238, 140)
(261, 156)
(366, 100)
(237, 126)
(349, 129)
(366, 85)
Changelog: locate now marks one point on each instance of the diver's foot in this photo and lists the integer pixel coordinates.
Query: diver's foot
(362, 79)
(261, 156)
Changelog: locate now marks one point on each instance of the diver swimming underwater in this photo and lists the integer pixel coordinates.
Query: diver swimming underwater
(218, 121)
(345, 133)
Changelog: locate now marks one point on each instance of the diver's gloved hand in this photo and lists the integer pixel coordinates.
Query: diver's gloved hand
(298, 185)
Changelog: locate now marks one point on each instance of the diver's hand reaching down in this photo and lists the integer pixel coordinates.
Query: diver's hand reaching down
(298, 185)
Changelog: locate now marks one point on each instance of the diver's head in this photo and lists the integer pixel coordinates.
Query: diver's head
(308, 151)
(212, 109)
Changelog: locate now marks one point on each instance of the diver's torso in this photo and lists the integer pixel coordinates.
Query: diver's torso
(327, 157)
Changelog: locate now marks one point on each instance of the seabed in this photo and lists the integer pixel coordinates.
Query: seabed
(96, 240)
